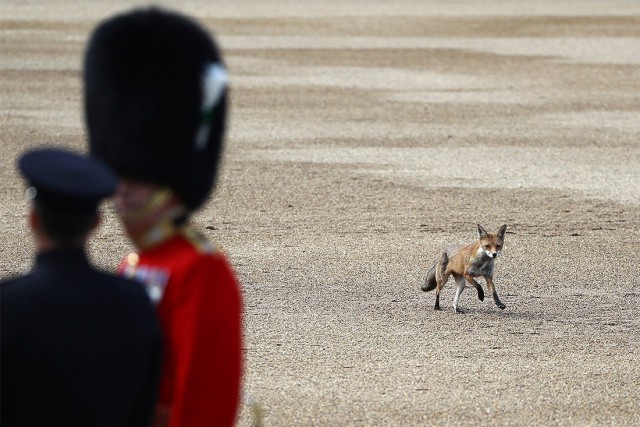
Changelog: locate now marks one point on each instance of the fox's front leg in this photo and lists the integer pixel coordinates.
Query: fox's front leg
(476, 285)
(492, 289)
(461, 285)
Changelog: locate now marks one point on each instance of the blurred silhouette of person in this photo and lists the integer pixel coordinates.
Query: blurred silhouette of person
(79, 347)
(155, 92)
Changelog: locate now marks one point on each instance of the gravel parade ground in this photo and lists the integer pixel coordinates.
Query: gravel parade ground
(365, 136)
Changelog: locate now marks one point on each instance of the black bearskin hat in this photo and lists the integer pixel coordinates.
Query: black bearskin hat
(155, 93)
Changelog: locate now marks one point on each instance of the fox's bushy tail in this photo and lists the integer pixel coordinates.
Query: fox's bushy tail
(430, 281)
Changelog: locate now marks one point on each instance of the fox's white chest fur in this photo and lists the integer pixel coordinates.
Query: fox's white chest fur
(481, 265)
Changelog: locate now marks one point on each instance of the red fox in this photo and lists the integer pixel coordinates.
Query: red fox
(465, 263)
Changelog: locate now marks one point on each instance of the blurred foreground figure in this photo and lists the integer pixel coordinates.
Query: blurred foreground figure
(79, 347)
(155, 105)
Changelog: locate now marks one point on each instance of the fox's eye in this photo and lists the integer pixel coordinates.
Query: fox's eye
(487, 246)
(498, 247)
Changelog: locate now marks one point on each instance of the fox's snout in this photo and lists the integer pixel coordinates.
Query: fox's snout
(491, 254)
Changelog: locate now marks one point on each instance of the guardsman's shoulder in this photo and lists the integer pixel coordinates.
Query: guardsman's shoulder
(198, 241)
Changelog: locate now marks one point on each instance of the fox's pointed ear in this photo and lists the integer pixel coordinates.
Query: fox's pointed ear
(481, 232)
(502, 231)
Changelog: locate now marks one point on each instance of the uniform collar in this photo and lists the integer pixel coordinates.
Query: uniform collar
(66, 255)
(157, 234)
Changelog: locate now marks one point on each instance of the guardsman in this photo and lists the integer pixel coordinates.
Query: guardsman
(79, 347)
(155, 90)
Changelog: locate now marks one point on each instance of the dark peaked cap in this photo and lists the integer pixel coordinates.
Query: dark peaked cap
(65, 181)
(143, 76)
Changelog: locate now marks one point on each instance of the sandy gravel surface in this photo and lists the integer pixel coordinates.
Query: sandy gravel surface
(366, 136)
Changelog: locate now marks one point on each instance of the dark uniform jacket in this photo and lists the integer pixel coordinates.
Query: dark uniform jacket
(79, 347)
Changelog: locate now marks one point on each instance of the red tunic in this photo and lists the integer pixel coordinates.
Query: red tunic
(199, 306)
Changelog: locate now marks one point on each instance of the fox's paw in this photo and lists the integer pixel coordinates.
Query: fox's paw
(437, 308)
(458, 310)
(501, 306)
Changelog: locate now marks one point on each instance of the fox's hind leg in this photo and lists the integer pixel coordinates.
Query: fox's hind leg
(494, 294)
(441, 278)
(441, 283)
